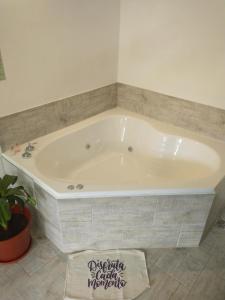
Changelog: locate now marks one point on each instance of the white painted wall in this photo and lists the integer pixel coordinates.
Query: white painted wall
(53, 49)
(174, 47)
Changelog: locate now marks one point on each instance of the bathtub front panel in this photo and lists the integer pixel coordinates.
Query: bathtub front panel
(134, 222)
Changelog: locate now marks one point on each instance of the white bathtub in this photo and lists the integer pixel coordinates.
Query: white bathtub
(123, 155)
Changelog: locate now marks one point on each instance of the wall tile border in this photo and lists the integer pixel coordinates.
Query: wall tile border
(32, 123)
(179, 112)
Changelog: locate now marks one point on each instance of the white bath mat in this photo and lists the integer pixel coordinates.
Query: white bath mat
(106, 275)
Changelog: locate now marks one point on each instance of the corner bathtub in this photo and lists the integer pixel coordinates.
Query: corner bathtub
(121, 180)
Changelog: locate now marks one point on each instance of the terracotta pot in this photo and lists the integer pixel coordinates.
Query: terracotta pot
(17, 246)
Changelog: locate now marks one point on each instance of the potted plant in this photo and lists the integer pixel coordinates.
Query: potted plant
(15, 219)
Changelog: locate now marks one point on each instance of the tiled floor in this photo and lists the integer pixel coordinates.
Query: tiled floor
(175, 274)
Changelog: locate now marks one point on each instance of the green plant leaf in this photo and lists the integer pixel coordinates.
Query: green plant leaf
(19, 191)
(6, 181)
(5, 212)
(10, 196)
(3, 224)
(31, 200)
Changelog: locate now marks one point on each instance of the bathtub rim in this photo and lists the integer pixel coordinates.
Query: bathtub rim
(108, 193)
(210, 189)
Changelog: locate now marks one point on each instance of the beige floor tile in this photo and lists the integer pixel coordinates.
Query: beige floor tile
(180, 293)
(152, 255)
(208, 286)
(12, 270)
(175, 274)
(190, 267)
(214, 242)
(14, 276)
(4, 279)
(41, 252)
(171, 259)
(216, 265)
(162, 286)
(11, 294)
(46, 282)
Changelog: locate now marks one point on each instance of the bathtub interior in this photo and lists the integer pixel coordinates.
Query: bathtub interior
(122, 153)
(127, 151)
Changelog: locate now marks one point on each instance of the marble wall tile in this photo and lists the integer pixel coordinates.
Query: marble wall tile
(47, 219)
(101, 223)
(193, 227)
(185, 216)
(186, 114)
(189, 238)
(177, 202)
(122, 216)
(217, 208)
(47, 206)
(111, 203)
(78, 215)
(148, 237)
(108, 243)
(30, 124)
(183, 209)
(123, 222)
(53, 233)
(91, 234)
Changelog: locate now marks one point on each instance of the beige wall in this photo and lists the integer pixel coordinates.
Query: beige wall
(174, 47)
(53, 49)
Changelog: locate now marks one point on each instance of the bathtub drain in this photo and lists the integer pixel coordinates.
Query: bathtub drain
(130, 149)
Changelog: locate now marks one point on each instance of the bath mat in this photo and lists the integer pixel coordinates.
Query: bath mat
(106, 275)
